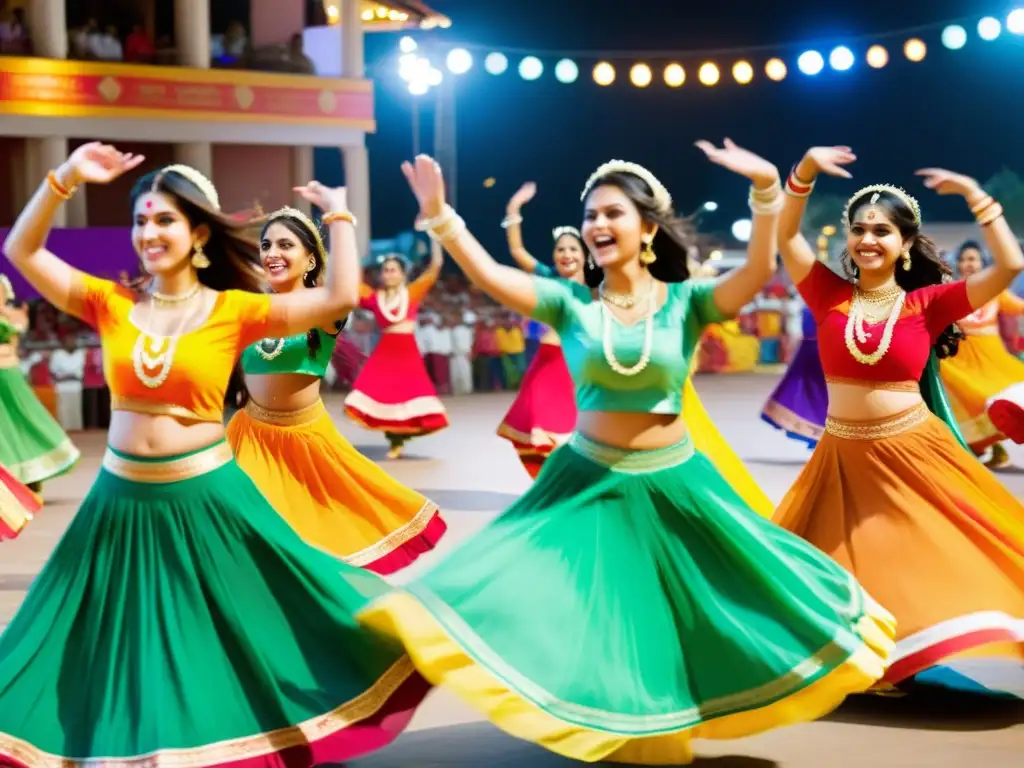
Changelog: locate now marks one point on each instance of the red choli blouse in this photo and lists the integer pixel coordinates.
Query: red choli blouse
(926, 313)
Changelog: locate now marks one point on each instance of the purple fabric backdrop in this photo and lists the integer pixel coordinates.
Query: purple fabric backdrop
(100, 251)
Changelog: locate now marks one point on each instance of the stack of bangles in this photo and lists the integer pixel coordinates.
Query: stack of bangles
(986, 211)
(443, 228)
(511, 220)
(765, 202)
(332, 216)
(797, 187)
(64, 193)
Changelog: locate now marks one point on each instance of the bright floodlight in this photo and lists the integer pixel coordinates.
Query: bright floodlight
(566, 71)
(459, 61)
(741, 230)
(434, 77)
(711, 206)
(413, 68)
(810, 62)
(407, 45)
(841, 58)
(954, 37)
(989, 28)
(531, 68)
(496, 63)
(1015, 22)
(418, 87)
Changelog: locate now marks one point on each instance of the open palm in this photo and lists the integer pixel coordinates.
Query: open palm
(323, 197)
(739, 160)
(97, 163)
(947, 182)
(831, 160)
(427, 183)
(522, 196)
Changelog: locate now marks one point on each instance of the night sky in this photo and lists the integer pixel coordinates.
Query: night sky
(961, 109)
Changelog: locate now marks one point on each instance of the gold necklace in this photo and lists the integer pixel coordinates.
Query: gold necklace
(621, 300)
(153, 352)
(171, 299)
(856, 332)
(268, 349)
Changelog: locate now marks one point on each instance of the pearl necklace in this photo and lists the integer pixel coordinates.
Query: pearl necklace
(645, 354)
(156, 353)
(398, 309)
(856, 332)
(621, 300)
(268, 349)
(171, 299)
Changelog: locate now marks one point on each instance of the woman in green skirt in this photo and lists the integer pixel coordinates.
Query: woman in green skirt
(631, 602)
(181, 621)
(34, 448)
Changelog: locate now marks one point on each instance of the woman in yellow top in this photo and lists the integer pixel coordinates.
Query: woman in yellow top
(983, 367)
(336, 498)
(512, 346)
(180, 620)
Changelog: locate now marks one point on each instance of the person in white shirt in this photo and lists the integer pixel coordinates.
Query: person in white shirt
(106, 45)
(67, 366)
(459, 363)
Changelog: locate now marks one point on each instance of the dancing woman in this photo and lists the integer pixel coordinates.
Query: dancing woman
(284, 439)
(34, 448)
(180, 620)
(708, 621)
(393, 393)
(983, 368)
(543, 415)
(890, 491)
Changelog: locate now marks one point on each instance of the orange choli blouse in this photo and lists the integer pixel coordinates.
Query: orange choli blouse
(184, 376)
(986, 318)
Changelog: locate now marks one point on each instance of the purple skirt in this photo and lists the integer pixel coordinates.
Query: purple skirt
(799, 404)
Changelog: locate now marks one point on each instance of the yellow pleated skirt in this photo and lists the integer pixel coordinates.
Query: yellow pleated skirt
(335, 498)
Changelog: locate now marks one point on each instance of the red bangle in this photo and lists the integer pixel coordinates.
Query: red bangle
(794, 185)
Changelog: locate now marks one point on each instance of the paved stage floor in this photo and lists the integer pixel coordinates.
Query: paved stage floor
(473, 475)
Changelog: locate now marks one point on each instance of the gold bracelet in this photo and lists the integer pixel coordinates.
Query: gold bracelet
(978, 208)
(990, 214)
(64, 193)
(332, 216)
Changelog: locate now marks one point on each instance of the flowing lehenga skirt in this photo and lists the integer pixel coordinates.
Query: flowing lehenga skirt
(799, 404)
(629, 603)
(18, 505)
(181, 622)
(33, 446)
(334, 497)
(932, 534)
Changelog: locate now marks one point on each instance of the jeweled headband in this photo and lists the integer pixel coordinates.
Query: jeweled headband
(878, 189)
(557, 232)
(294, 213)
(195, 178)
(661, 195)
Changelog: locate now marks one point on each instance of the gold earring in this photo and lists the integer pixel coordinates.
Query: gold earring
(906, 261)
(199, 259)
(647, 255)
(590, 261)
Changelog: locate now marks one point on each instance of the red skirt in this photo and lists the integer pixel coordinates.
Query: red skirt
(17, 505)
(544, 412)
(393, 392)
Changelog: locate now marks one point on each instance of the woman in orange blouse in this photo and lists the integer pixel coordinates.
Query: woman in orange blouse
(983, 368)
(181, 618)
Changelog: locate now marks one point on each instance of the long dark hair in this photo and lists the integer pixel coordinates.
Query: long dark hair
(675, 235)
(926, 265)
(592, 274)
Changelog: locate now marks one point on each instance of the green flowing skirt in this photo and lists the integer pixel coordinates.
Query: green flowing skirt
(631, 602)
(185, 622)
(33, 447)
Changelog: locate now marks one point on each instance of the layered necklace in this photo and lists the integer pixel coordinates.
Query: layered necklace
(153, 354)
(607, 341)
(268, 349)
(396, 310)
(869, 307)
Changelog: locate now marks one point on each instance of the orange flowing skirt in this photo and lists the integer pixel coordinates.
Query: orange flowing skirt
(18, 505)
(932, 535)
(335, 498)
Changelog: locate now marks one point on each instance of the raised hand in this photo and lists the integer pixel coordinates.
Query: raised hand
(323, 197)
(949, 183)
(742, 161)
(831, 160)
(98, 163)
(426, 182)
(522, 196)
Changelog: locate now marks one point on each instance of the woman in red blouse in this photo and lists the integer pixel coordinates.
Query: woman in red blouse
(891, 491)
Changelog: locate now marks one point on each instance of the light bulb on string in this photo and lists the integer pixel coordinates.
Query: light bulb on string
(604, 73)
(775, 69)
(708, 74)
(675, 75)
(878, 57)
(640, 75)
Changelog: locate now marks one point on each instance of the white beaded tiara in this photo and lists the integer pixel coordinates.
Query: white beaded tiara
(557, 232)
(878, 189)
(661, 195)
(197, 179)
(294, 213)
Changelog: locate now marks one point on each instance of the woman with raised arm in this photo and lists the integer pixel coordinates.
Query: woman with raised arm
(543, 415)
(33, 447)
(180, 620)
(284, 439)
(891, 492)
(707, 620)
(393, 392)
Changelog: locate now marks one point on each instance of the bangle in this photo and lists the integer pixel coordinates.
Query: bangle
(448, 230)
(766, 195)
(990, 214)
(979, 207)
(797, 187)
(766, 208)
(334, 216)
(511, 221)
(425, 225)
(64, 193)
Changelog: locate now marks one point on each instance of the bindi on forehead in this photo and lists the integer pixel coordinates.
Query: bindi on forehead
(872, 215)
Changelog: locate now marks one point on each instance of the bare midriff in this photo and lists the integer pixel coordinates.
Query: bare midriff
(406, 326)
(284, 392)
(632, 431)
(870, 400)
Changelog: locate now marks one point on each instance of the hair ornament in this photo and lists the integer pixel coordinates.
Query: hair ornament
(557, 232)
(294, 213)
(195, 178)
(878, 189)
(661, 195)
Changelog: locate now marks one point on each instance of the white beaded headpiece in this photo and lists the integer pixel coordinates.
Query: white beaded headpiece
(878, 189)
(557, 232)
(294, 213)
(5, 282)
(661, 195)
(194, 177)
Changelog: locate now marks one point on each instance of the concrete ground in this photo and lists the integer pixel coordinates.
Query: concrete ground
(473, 475)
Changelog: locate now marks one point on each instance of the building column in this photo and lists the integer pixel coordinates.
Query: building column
(198, 154)
(302, 174)
(43, 155)
(192, 32)
(48, 28)
(352, 56)
(357, 183)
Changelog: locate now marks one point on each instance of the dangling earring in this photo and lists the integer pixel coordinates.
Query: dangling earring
(199, 259)
(906, 261)
(590, 261)
(647, 255)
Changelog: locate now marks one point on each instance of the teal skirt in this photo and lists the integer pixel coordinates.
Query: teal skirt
(180, 619)
(630, 603)
(33, 447)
